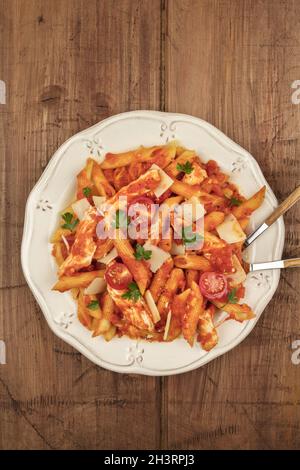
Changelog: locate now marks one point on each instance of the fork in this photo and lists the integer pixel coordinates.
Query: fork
(279, 211)
(280, 264)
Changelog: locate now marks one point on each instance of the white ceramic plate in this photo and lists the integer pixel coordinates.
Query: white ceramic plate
(55, 189)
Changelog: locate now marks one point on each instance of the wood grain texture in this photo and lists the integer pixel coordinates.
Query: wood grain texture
(68, 64)
(233, 63)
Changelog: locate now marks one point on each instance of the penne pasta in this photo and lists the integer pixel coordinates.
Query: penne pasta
(160, 278)
(76, 280)
(102, 185)
(250, 205)
(173, 284)
(192, 275)
(191, 313)
(208, 336)
(138, 269)
(192, 261)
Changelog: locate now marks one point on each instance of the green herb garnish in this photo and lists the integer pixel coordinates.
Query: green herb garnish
(93, 305)
(141, 253)
(68, 218)
(87, 191)
(122, 220)
(133, 292)
(189, 237)
(235, 202)
(232, 298)
(186, 167)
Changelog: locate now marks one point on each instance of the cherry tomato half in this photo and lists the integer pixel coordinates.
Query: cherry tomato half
(213, 285)
(118, 276)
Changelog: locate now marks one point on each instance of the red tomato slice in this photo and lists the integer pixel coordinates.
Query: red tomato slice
(213, 285)
(118, 276)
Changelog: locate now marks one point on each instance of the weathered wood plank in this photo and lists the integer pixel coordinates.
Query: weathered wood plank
(67, 65)
(233, 63)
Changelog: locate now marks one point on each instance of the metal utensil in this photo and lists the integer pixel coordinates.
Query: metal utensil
(280, 264)
(278, 212)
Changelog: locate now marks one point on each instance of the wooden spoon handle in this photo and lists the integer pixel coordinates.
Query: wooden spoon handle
(284, 206)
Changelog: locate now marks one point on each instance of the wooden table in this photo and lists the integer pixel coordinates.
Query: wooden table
(68, 64)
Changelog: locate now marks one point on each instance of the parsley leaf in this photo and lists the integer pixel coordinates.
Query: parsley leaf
(141, 253)
(87, 191)
(133, 292)
(68, 217)
(186, 167)
(235, 202)
(232, 298)
(93, 305)
(122, 220)
(189, 237)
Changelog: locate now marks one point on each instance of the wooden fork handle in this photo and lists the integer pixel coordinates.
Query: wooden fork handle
(292, 263)
(284, 206)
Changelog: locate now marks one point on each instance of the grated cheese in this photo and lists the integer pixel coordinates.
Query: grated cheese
(165, 181)
(167, 327)
(80, 207)
(152, 306)
(97, 286)
(230, 230)
(158, 256)
(109, 257)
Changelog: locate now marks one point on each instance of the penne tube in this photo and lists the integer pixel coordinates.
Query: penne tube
(192, 275)
(102, 185)
(208, 336)
(160, 278)
(166, 243)
(213, 219)
(89, 168)
(250, 205)
(139, 270)
(75, 292)
(174, 283)
(191, 314)
(108, 306)
(173, 201)
(83, 181)
(83, 316)
(244, 221)
(92, 306)
(238, 312)
(76, 280)
(192, 261)
(179, 302)
(101, 326)
(185, 190)
(103, 247)
(56, 237)
(212, 241)
(57, 253)
(185, 156)
(121, 178)
(108, 336)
